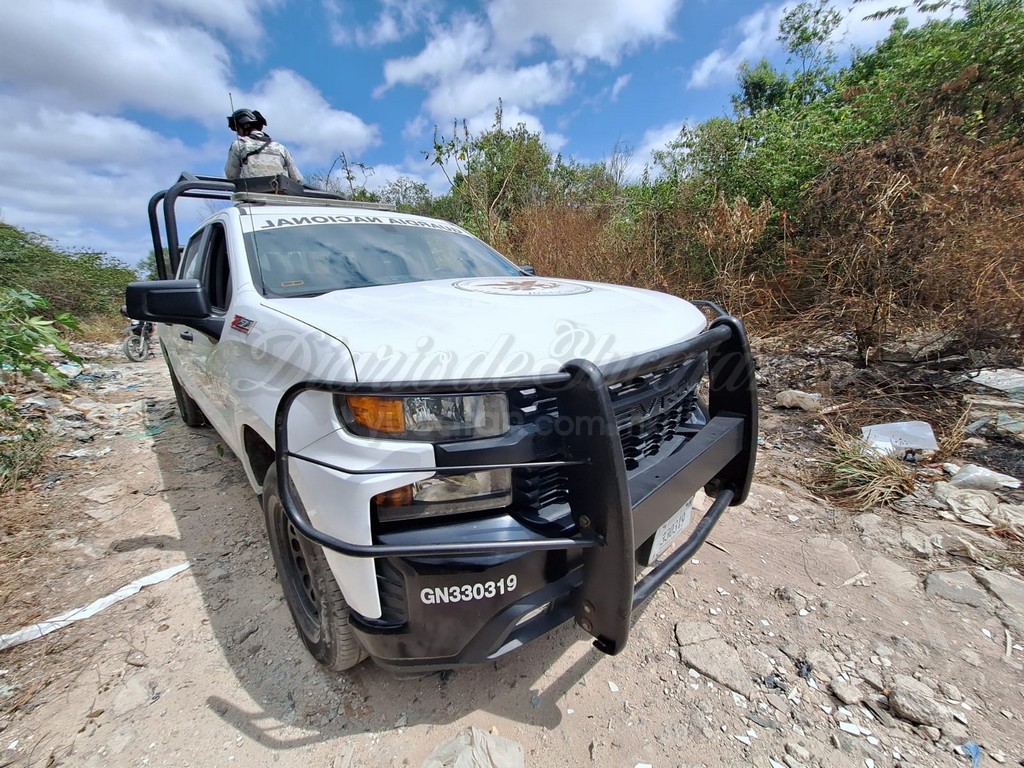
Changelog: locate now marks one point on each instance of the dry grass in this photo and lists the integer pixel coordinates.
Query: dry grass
(927, 227)
(921, 229)
(862, 479)
(22, 449)
(101, 328)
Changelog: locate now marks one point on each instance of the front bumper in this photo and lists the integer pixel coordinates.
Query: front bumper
(584, 568)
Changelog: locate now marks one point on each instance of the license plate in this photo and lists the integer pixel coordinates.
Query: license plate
(670, 529)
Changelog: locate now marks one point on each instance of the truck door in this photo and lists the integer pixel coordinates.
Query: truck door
(205, 352)
(176, 339)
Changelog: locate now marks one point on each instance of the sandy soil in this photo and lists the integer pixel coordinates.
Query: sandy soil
(205, 669)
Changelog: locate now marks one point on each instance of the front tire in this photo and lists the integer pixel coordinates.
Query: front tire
(315, 600)
(188, 408)
(135, 349)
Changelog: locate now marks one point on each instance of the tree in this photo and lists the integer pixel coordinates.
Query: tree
(147, 268)
(806, 30)
(761, 87)
(81, 282)
(407, 195)
(350, 184)
(971, 67)
(495, 174)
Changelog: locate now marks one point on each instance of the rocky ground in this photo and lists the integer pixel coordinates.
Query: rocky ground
(804, 635)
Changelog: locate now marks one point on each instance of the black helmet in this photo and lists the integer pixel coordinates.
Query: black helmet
(242, 117)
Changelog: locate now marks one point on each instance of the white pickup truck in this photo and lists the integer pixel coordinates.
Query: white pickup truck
(454, 456)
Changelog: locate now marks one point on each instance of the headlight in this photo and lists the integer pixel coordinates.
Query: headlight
(446, 495)
(430, 418)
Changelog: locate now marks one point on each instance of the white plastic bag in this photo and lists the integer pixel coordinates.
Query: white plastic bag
(982, 479)
(902, 438)
(475, 748)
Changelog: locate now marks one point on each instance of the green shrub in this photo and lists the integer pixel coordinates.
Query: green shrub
(80, 282)
(25, 333)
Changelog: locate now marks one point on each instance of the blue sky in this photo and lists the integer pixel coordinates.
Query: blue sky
(104, 102)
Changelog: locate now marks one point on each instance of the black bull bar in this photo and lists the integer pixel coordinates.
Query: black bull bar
(613, 513)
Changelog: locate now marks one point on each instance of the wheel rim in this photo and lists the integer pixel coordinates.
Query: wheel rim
(296, 566)
(135, 348)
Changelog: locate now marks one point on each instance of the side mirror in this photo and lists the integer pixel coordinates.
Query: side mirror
(183, 302)
(526, 269)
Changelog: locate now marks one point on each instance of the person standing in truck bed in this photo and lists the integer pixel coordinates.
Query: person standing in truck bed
(254, 153)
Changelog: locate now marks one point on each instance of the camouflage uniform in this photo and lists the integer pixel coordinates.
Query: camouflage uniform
(258, 155)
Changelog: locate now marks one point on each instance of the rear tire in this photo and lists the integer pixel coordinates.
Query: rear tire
(135, 349)
(188, 408)
(316, 603)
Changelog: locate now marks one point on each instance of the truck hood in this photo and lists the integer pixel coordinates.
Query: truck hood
(485, 328)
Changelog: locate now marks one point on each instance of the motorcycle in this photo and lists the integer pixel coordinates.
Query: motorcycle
(137, 341)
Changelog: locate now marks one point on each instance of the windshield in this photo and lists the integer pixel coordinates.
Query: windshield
(313, 258)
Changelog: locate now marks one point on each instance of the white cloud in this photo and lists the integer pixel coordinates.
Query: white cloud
(109, 161)
(469, 64)
(449, 53)
(105, 141)
(299, 115)
(240, 21)
(759, 33)
(545, 83)
(397, 20)
(416, 128)
(758, 37)
(619, 84)
(81, 171)
(588, 29)
(857, 31)
(655, 138)
(90, 56)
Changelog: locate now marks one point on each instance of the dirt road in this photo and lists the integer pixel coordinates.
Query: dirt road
(746, 657)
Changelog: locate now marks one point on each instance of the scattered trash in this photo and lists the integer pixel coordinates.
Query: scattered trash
(794, 398)
(773, 681)
(613, 687)
(71, 370)
(1003, 379)
(42, 628)
(977, 478)
(905, 439)
(85, 453)
(973, 751)
(1011, 424)
(475, 748)
(980, 508)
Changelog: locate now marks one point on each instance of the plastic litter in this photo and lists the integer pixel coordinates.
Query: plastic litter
(1003, 379)
(36, 631)
(981, 479)
(973, 751)
(905, 439)
(71, 370)
(475, 748)
(794, 398)
(1012, 424)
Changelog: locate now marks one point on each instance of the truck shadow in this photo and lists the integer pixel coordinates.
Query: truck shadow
(285, 700)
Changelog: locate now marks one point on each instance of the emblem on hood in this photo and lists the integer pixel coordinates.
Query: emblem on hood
(521, 286)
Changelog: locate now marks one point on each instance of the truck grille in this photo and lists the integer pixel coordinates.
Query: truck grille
(651, 414)
(645, 439)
